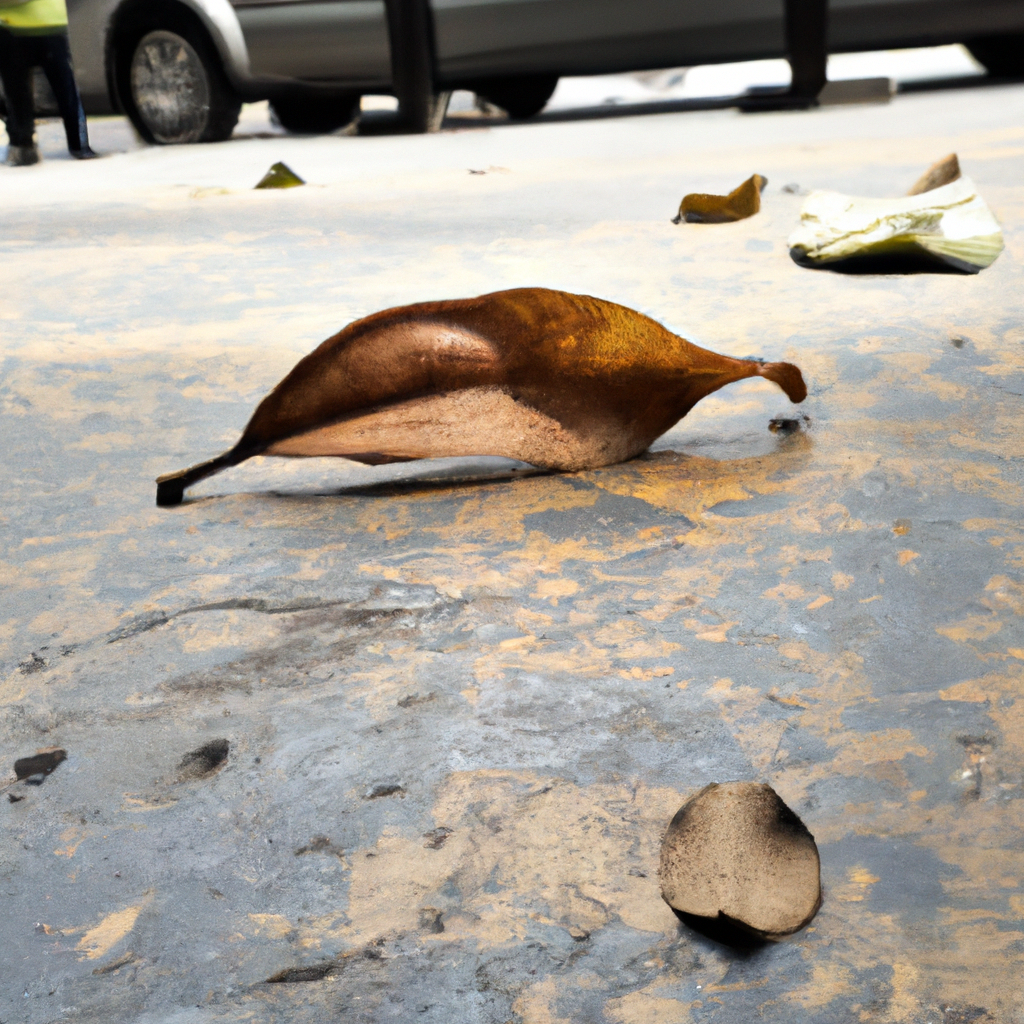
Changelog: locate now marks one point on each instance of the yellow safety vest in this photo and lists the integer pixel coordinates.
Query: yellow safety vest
(35, 16)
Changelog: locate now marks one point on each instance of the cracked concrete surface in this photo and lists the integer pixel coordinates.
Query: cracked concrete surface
(460, 714)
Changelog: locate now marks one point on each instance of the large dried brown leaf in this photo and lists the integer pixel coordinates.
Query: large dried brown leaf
(565, 382)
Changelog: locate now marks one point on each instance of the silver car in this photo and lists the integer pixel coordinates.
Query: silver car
(180, 69)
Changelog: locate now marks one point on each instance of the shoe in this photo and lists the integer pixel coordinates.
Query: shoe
(84, 154)
(22, 156)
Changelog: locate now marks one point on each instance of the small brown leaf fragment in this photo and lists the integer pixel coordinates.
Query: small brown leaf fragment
(430, 920)
(384, 789)
(437, 837)
(42, 762)
(742, 202)
(415, 698)
(942, 172)
(312, 972)
(320, 844)
(736, 853)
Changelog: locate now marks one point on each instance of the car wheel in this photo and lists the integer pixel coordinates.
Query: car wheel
(1002, 56)
(315, 115)
(173, 87)
(521, 96)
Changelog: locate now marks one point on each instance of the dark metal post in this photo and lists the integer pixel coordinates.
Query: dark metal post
(411, 33)
(807, 46)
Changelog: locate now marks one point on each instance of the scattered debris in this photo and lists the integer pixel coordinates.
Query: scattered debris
(320, 844)
(735, 853)
(742, 202)
(966, 1015)
(943, 225)
(312, 972)
(384, 789)
(430, 920)
(437, 837)
(204, 193)
(942, 172)
(204, 760)
(786, 425)
(39, 764)
(458, 378)
(857, 90)
(121, 961)
(414, 698)
(280, 175)
(33, 664)
(977, 749)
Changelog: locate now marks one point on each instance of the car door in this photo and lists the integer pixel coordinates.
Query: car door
(340, 41)
(509, 37)
(886, 24)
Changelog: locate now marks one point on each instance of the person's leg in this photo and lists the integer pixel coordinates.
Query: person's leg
(16, 72)
(807, 46)
(56, 64)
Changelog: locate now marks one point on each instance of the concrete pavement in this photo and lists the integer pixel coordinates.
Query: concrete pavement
(460, 715)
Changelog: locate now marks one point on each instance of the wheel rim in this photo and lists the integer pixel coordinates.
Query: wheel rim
(170, 88)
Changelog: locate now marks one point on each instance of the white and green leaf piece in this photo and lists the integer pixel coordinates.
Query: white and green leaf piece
(948, 225)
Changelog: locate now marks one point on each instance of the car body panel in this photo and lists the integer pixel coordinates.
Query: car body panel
(330, 40)
(482, 37)
(267, 45)
(883, 24)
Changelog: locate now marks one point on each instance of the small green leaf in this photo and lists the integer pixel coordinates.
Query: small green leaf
(280, 175)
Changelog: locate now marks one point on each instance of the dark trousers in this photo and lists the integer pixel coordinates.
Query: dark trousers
(806, 43)
(19, 54)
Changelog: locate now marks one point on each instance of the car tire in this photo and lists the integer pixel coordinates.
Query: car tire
(1002, 56)
(520, 96)
(171, 83)
(314, 115)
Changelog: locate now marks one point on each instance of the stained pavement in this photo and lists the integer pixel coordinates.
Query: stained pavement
(460, 715)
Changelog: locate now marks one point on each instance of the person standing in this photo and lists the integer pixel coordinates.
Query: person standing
(34, 33)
